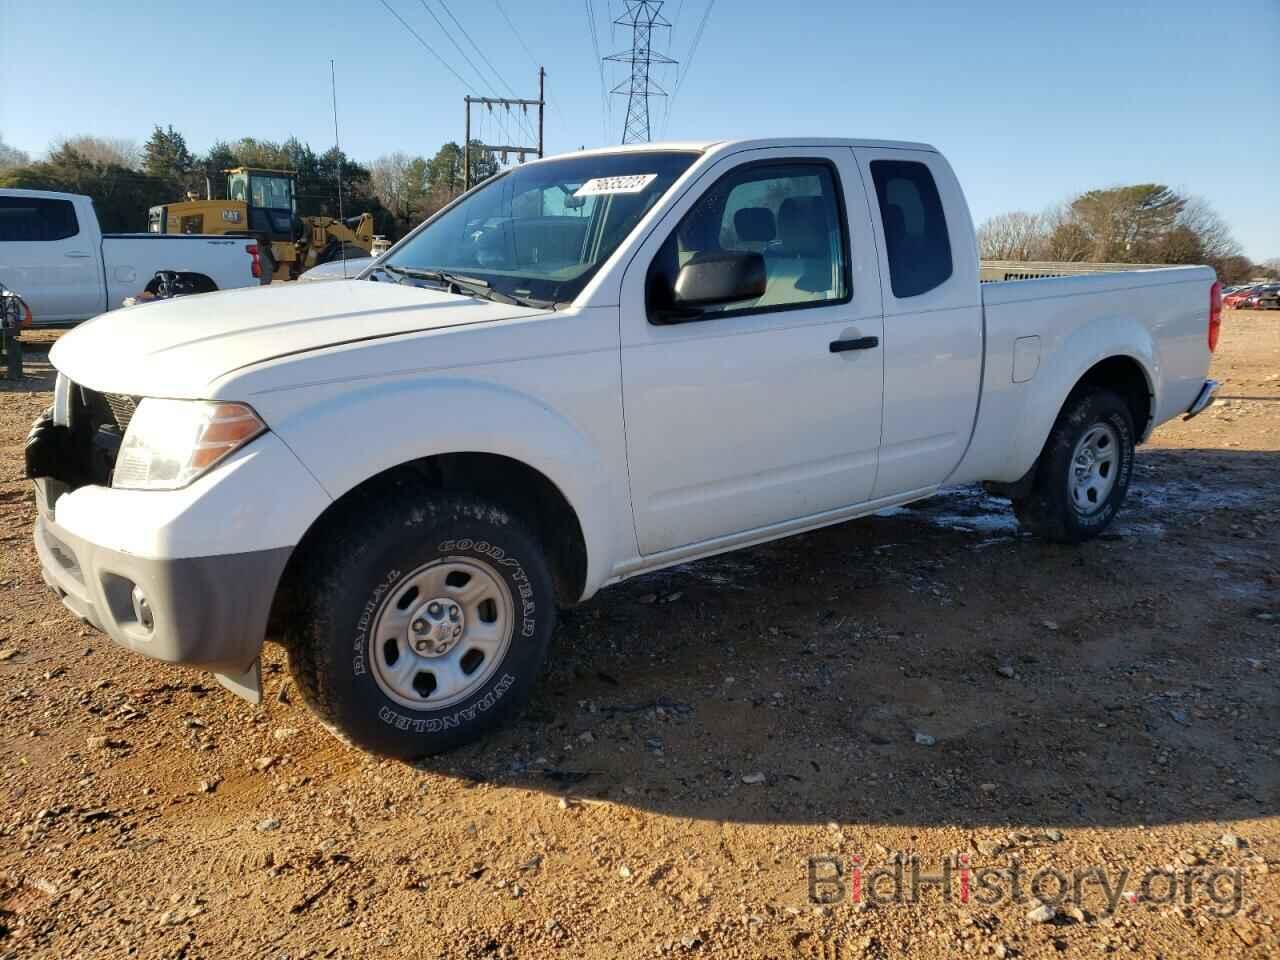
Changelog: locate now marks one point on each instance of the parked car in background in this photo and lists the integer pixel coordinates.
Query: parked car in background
(338, 269)
(1262, 298)
(1232, 300)
(591, 367)
(53, 250)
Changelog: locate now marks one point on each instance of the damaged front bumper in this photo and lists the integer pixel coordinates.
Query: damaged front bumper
(209, 612)
(186, 576)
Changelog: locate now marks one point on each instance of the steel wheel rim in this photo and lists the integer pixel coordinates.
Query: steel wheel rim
(1094, 467)
(452, 658)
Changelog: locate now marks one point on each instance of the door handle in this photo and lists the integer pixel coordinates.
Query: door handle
(857, 343)
(77, 255)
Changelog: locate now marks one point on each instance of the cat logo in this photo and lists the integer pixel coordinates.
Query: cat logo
(231, 216)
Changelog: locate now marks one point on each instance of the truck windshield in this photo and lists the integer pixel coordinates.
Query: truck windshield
(542, 231)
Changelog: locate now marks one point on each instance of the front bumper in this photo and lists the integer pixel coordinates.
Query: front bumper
(1203, 399)
(208, 612)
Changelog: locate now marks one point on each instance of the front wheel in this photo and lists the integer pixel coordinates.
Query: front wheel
(422, 621)
(1083, 473)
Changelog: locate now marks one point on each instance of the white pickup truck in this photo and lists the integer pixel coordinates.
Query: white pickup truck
(55, 256)
(587, 368)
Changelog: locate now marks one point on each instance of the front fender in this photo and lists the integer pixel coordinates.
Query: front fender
(1067, 361)
(348, 437)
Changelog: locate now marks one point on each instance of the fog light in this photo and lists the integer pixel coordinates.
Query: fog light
(142, 609)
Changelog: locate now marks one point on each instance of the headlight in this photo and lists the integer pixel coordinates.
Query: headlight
(171, 442)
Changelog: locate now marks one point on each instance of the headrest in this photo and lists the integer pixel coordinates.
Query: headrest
(895, 221)
(755, 223)
(802, 226)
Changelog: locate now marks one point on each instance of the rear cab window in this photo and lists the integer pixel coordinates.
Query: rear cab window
(36, 219)
(917, 244)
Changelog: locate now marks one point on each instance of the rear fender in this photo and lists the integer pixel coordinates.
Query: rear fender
(1068, 361)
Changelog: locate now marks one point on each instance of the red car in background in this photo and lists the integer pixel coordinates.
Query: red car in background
(1233, 299)
(1265, 297)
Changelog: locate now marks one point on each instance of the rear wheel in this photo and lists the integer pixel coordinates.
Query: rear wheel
(422, 621)
(1083, 473)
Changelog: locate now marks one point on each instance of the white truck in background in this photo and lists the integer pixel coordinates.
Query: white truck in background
(54, 254)
(589, 367)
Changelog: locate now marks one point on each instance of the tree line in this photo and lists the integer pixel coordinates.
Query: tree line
(1137, 223)
(125, 179)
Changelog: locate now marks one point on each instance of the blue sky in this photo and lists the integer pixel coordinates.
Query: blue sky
(1031, 101)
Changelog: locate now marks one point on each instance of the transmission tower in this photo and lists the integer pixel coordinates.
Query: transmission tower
(642, 16)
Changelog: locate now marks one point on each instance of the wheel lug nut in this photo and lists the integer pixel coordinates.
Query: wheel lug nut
(419, 626)
(434, 609)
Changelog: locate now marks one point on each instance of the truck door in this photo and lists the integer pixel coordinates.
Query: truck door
(48, 259)
(933, 337)
(763, 411)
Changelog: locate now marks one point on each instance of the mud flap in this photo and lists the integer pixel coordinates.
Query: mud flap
(247, 685)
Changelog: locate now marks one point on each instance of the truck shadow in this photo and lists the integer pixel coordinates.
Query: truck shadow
(932, 665)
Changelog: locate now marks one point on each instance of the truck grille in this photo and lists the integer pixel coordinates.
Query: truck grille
(122, 408)
(98, 423)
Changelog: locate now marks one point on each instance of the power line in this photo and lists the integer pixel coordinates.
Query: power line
(501, 79)
(457, 46)
(475, 46)
(532, 58)
(501, 120)
(466, 85)
(425, 45)
(595, 48)
(555, 107)
(688, 62)
(693, 49)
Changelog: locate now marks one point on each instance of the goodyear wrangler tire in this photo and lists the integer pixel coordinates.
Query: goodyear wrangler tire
(1083, 472)
(421, 623)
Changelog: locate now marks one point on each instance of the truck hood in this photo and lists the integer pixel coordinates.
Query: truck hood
(178, 348)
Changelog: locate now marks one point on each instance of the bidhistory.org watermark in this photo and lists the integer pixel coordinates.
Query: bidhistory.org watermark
(854, 881)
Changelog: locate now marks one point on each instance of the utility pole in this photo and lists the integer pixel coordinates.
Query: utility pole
(503, 148)
(641, 16)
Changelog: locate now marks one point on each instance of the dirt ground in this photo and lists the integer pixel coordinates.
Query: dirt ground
(922, 684)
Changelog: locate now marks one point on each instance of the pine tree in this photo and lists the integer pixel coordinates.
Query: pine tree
(165, 154)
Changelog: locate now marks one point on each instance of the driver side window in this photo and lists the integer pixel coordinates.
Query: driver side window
(788, 212)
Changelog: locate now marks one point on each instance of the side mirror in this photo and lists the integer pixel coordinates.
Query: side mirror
(722, 276)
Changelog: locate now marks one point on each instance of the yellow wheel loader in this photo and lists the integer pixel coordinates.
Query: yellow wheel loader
(263, 207)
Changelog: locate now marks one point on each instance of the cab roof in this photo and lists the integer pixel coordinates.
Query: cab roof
(725, 146)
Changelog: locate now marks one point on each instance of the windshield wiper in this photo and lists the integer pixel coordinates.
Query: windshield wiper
(404, 273)
(460, 284)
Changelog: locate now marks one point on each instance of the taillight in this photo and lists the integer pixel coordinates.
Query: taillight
(255, 265)
(1215, 314)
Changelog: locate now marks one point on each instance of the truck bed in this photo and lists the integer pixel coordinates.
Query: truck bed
(1042, 335)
